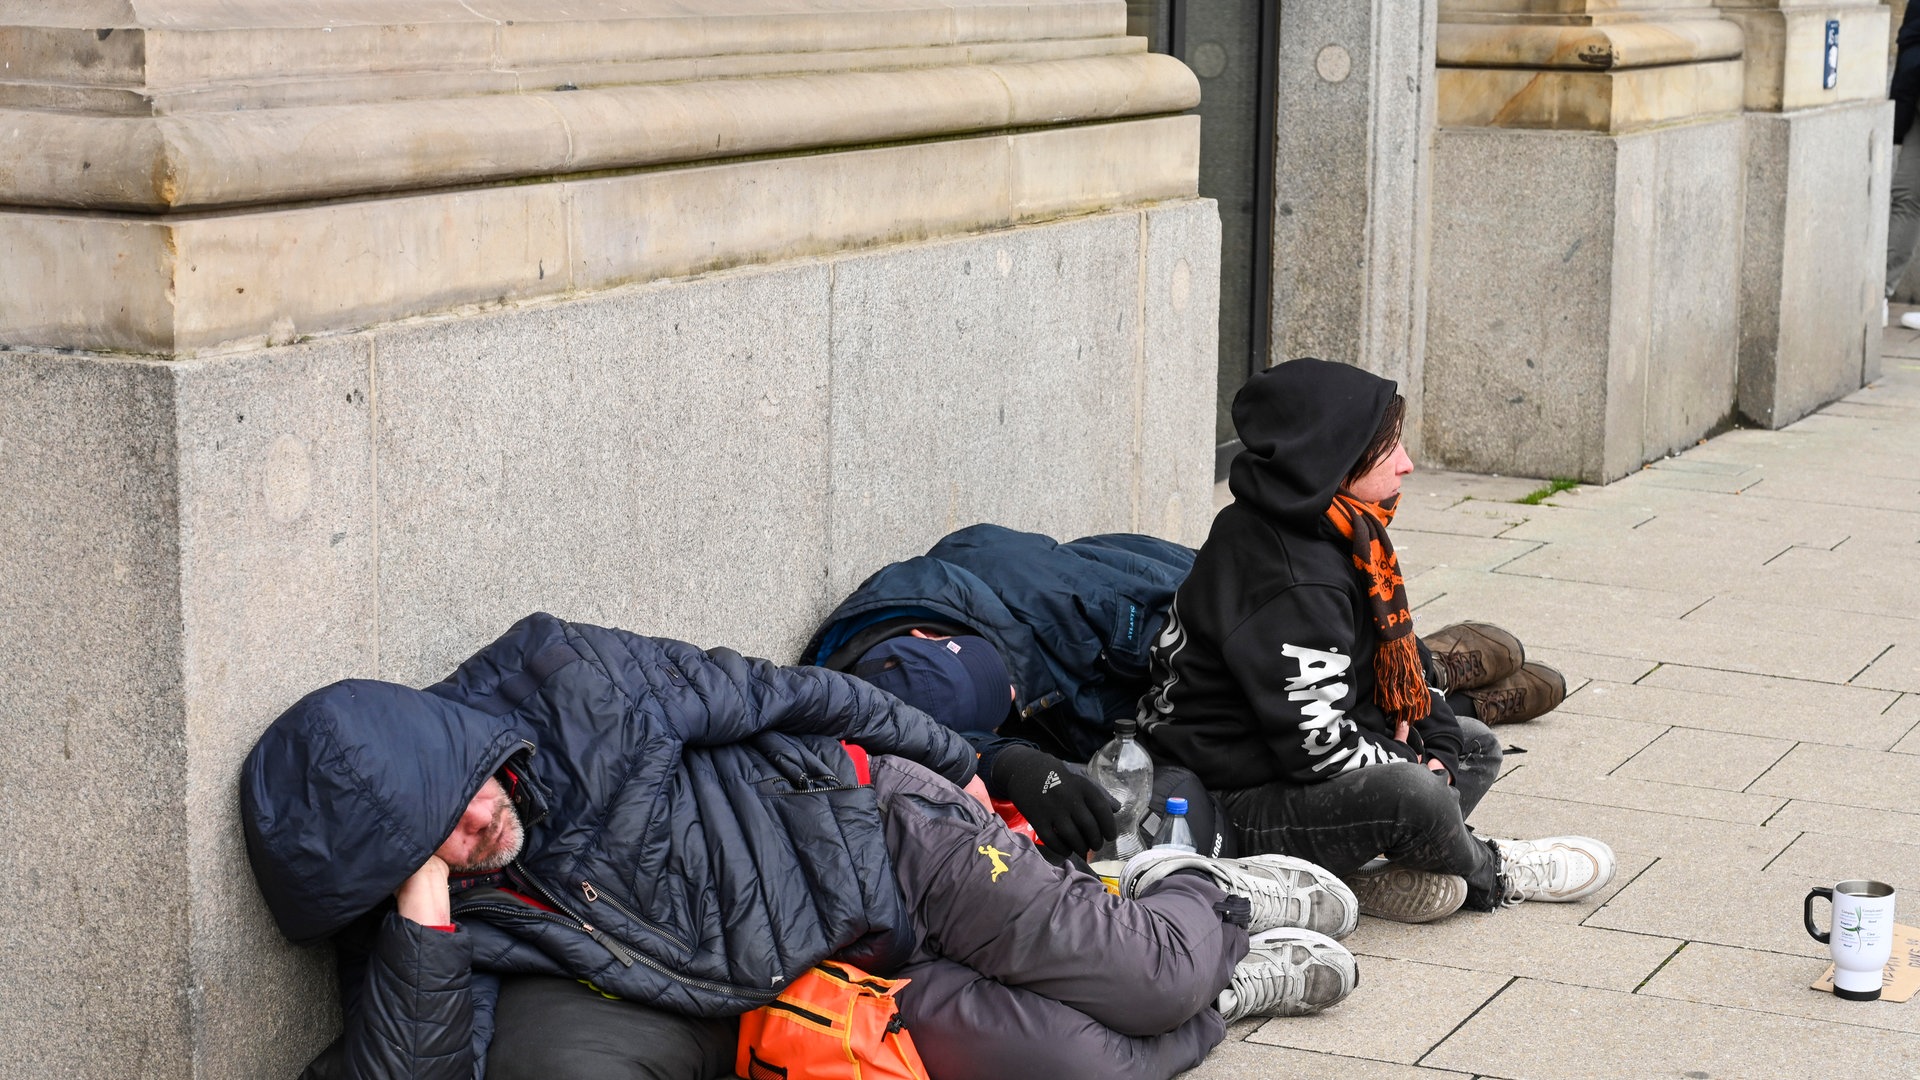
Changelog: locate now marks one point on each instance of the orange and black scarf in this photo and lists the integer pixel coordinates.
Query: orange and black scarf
(1399, 685)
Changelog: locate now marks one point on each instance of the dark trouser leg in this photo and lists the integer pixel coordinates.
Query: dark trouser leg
(970, 1027)
(1402, 811)
(1480, 757)
(548, 1028)
(985, 898)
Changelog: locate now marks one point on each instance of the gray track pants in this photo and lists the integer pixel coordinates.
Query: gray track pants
(1903, 210)
(1025, 968)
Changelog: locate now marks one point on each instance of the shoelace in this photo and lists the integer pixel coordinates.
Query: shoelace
(1275, 901)
(1263, 984)
(1462, 669)
(1528, 871)
(1492, 705)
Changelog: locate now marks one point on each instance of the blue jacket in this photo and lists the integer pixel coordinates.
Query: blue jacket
(1074, 622)
(693, 827)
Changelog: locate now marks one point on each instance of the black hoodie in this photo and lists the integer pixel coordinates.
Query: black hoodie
(1265, 669)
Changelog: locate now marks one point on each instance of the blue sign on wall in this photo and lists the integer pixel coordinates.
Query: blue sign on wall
(1831, 76)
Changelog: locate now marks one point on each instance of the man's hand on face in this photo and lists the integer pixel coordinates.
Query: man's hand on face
(423, 898)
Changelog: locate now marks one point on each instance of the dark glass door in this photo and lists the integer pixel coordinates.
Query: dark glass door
(1231, 45)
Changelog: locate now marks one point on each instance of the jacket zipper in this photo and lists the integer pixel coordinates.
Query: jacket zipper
(594, 896)
(627, 956)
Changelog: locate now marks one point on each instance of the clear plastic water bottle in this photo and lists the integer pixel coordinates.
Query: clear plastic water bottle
(1175, 834)
(1123, 769)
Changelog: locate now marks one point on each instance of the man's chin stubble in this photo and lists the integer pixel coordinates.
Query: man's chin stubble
(511, 838)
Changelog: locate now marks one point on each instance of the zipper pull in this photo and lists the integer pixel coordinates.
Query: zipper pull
(619, 951)
(587, 890)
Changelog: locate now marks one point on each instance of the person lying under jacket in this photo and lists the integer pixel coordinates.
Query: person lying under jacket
(624, 841)
(1031, 648)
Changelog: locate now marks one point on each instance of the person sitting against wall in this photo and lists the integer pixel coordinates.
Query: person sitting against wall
(1290, 680)
(587, 850)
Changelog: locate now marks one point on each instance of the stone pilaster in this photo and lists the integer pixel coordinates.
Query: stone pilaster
(1813, 263)
(1588, 170)
(1352, 169)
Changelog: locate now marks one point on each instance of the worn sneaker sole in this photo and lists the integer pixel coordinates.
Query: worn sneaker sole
(1407, 895)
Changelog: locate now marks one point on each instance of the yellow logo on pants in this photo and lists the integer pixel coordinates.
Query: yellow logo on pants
(999, 859)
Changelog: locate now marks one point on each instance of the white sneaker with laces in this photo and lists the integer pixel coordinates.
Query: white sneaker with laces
(1288, 972)
(1282, 890)
(1555, 869)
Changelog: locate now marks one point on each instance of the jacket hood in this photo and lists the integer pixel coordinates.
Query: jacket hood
(1304, 424)
(349, 791)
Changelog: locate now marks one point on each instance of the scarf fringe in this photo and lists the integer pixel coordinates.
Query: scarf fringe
(1400, 686)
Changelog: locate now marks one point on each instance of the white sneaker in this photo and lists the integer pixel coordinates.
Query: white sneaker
(1288, 972)
(1406, 895)
(1910, 320)
(1282, 890)
(1556, 869)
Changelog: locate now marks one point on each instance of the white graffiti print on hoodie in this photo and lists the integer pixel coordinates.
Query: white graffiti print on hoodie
(1324, 726)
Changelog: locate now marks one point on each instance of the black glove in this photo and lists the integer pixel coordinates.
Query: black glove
(1068, 812)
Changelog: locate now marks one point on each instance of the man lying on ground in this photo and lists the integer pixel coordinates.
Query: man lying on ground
(1290, 680)
(579, 815)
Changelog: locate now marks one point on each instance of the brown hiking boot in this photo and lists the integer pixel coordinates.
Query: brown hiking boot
(1523, 695)
(1472, 654)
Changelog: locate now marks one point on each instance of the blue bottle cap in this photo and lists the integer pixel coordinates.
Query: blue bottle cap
(1176, 805)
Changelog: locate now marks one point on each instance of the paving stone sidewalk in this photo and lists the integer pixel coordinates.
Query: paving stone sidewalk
(1740, 630)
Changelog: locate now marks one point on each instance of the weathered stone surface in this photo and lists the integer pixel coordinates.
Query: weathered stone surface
(1625, 99)
(1180, 309)
(277, 550)
(1587, 321)
(933, 428)
(1786, 42)
(1812, 266)
(194, 283)
(94, 707)
(151, 120)
(1352, 171)
(609, 460)
(205, 160)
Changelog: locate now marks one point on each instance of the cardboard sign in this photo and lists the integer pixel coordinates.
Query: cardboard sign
(1902, 977)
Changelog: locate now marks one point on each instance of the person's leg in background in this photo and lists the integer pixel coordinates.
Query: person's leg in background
(1903, 220)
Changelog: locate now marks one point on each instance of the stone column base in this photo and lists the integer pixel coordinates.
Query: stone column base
(1814, 263)
(1585, 319)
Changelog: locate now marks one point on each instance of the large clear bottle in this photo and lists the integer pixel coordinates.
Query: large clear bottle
(1123, 769)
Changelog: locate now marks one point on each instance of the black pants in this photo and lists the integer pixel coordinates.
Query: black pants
(1403, 811)
(550, 1028)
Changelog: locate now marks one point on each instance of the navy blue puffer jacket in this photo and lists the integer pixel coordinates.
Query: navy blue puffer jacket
(692, 821)
(1074, 622)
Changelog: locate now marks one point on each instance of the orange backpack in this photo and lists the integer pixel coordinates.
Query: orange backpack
(835, 1022)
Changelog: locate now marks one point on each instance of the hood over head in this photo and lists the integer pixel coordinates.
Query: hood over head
(348, 792)
(1304, 424)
